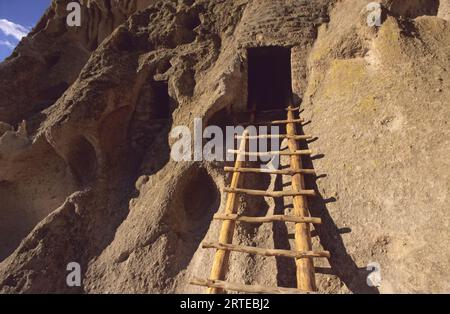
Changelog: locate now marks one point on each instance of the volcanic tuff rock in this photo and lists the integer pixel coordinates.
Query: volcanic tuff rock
(85, 168)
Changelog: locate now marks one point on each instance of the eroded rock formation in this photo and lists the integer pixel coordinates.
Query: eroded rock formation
(85, 168)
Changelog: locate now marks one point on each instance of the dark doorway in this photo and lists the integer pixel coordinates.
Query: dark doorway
(269, 78)
(161, 98)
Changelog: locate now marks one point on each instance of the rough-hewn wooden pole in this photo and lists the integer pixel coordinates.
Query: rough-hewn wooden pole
(264, 252)
(226, 232)
(268, 219)
(270, 193)
(270, 171)
(305, 266)
(218, 284)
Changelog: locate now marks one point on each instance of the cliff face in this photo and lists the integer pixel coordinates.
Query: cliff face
(378, 102)
(51, 57)
(85, 168)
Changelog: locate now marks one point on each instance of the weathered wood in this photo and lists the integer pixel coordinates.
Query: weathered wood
(275, 122)
(227, 229)
(270, 193)
(273, 153)
(273, 110)
(270, 218)
(272, 136)
(305, 266)
(265, 252)
(255, 289)
(270, 171)
(292, 120)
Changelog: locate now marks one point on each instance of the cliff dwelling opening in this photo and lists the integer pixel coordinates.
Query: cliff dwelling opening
(47, 97)
(196, 201)
(82, 160)
(414, 8)
(162, 99)
(269, 77)
(203, 199)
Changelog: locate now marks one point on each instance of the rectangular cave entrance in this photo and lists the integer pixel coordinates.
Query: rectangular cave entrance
(269, 78)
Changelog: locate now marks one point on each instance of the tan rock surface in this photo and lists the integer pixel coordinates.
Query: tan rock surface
(85, 168)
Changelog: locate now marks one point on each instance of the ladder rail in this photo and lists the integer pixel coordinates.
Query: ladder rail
(227, 230)
(305, 266)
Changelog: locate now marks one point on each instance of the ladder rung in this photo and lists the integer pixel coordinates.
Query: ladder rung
(275, 122)
(272, 153)
(270, 136)
(270, 171)
(271, 193)
(273, 110)
(272, 218)
(219, 284)
(264, 252)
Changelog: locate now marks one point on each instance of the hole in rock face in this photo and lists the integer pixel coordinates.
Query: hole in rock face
(82, 160)
(150, 125)
(113, 134)
(201, 200)
(269, 78)
(414, 8)
(228, 123)
(196, 200)
(221, 119)
(183, 31)
(123, 41)
(50, 95)
(162, 100)
(52, 59)
(193, 22)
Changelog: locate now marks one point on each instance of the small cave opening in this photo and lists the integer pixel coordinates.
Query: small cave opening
(201, 198)
(192, 209)
(52, 59)
(269, 78)
(50, 95)
(161, 98)
(82, 160)
(151, 123)
(221, 118)
(227, 124)
(414, 8)
(186, 32)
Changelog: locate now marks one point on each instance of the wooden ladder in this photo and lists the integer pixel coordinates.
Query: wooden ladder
(303, 253)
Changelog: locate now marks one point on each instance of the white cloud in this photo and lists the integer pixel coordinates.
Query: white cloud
(7, 43)
(12, 29)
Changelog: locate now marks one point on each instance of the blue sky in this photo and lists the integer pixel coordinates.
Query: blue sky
(17, 18)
